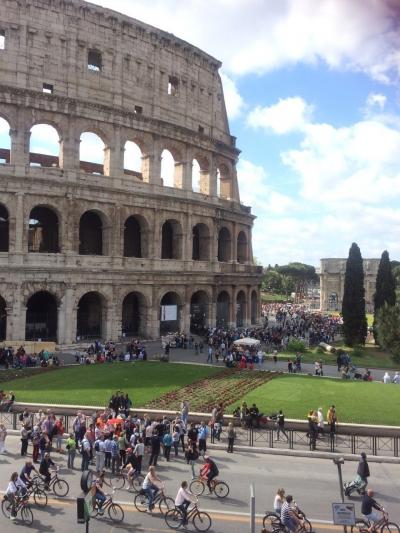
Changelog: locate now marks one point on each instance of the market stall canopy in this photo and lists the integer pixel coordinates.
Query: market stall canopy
(247, 341)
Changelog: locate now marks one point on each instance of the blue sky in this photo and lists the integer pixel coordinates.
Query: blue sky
(311, 88)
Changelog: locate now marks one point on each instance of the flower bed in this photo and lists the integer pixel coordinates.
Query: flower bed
(226, 387)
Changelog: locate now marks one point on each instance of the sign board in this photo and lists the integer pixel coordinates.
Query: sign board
(343, 514)
(169, 313)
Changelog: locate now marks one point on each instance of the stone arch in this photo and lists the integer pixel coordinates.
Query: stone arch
(241, 247)
(201, 242)
(5, 140)
(91, 316)
(4, 229)
(133, 159)
(41, 317)
(170, 312)
(44, 145)
(3, 319)
(201, 174)
(43, 233)
(94, 233)
(136, 236)
(172, 166)
(93, 152)
(171, 239)
(224, 245)
(134, 314)
(224, 181)
(199, 312)
(254, 307)
(223, 309)
(241, 309)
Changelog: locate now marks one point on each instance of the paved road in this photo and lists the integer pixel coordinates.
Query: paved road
(314, 483)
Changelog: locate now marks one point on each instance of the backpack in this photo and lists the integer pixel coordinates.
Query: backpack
(97, 446)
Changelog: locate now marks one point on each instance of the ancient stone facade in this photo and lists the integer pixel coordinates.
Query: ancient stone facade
(96, 250)
(332, 273)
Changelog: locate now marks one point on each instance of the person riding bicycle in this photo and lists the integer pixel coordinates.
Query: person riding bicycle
(289, 517)
(209, 471)
(151, 485)
(15, 487)
(44, 469)
(369, 508)
(183, 499)
(99, 495)
(25, 475)
(131, 461)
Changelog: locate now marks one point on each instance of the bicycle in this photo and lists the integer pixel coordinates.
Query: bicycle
(59, 486)
(219, 488)
(121, 479)
(362, 525)
(115, 511)
(21, 507)
(165, 503)
(39, 495)
(272, 521)
(200, 519)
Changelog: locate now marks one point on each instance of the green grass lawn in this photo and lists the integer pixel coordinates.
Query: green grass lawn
(357, 402)
(94, 384)
(271, 297)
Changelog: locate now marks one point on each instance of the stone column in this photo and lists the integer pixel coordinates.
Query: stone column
(234, 243)
(232, 311)
(68, 316)
(19, 224)
(69, 150)
(212, 187)
(247, 320)
(20, 145)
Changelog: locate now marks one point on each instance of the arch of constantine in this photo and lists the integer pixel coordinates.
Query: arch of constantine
(98, 246)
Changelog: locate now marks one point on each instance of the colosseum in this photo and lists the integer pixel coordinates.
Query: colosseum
(101, 248)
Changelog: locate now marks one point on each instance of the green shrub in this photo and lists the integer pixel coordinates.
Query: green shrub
(358, 351)
(295, 345)
(319, 350)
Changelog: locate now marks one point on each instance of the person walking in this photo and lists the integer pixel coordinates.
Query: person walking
(363, 472)
(191, 457)
(231, 437)
(3, 435)
(24, 440)
(332, 419)
(203, 434)
(167, 442)
(280, 425)
(155, 448)
(184, 412)
(86, 451)
(70, 446)
(210, 355)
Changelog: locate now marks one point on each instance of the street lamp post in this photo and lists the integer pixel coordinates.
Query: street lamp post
(339, 462)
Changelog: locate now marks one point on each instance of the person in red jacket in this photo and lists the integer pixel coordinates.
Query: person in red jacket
(209, 471)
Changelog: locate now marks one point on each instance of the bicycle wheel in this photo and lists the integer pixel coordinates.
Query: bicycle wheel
(173, 518)
(60, 488)
(307, 525)
(141, 502)
(166, 504)
(390, 527)
(27, 516)
(221, 489)
(137, 482)
(197, 487)
(202, 521)
(271, 521)
(118, 481)
(115, 512)
(6, 508)
(95, 510)
(40, 498)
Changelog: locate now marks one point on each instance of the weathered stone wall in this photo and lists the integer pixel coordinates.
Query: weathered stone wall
(47, 42)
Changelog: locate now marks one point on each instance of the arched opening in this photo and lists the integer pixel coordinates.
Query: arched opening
(240, 309)
(196, 176)
(41, 317)
(90, 234)
(43, 231)
(133, 315)
(167, 168)
(44, 146)
(223, 308)
(3, 319)
(90, 317)
(4, 229)
(135, 237)
(199, 305)
(133, 160)
(201, 243)
(171, 240)
(91, 153)
(224, 245)
(333, 302)
(170, 313)
(254, 307)
(241, 247)
(224, 182)
(5, 142)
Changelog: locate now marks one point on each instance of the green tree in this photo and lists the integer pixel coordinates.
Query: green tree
(387, 324)
(301, 275)
(385, 292)
(353, 306)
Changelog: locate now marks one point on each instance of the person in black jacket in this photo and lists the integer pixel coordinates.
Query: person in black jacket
(363, 469)
(369, 506)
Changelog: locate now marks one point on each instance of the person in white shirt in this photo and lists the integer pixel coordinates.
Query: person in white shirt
(386, 378)
(151, 485)
(396, 378)
(139, 452)
(15, 487)
(278, 501)
(183, 499)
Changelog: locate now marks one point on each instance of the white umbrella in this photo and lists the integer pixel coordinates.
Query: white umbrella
(247, 341)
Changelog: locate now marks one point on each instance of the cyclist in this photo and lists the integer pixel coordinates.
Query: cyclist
(209, 471)
(183, 499)
(289, 517)
(15, 486)
(100, 495)
(44, 469)
(151, 485)
(369, 508)
(25, 475)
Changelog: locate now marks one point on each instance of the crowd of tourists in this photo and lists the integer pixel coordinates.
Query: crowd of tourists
(19, 358)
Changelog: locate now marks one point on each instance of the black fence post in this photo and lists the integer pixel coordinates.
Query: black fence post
(271, 438)
(374, 445)
(353, 443)
(332, 441)
(14, 420)
(396, 446)
(291, 439)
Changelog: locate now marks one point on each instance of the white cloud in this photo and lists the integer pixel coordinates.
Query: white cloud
(287, 116)
(257, 36)
(233, 100)
(376, 100)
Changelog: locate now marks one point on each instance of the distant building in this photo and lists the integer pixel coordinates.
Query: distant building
(331, 275)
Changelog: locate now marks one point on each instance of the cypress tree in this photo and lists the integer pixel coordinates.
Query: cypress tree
(385, 291)
(353, 306)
